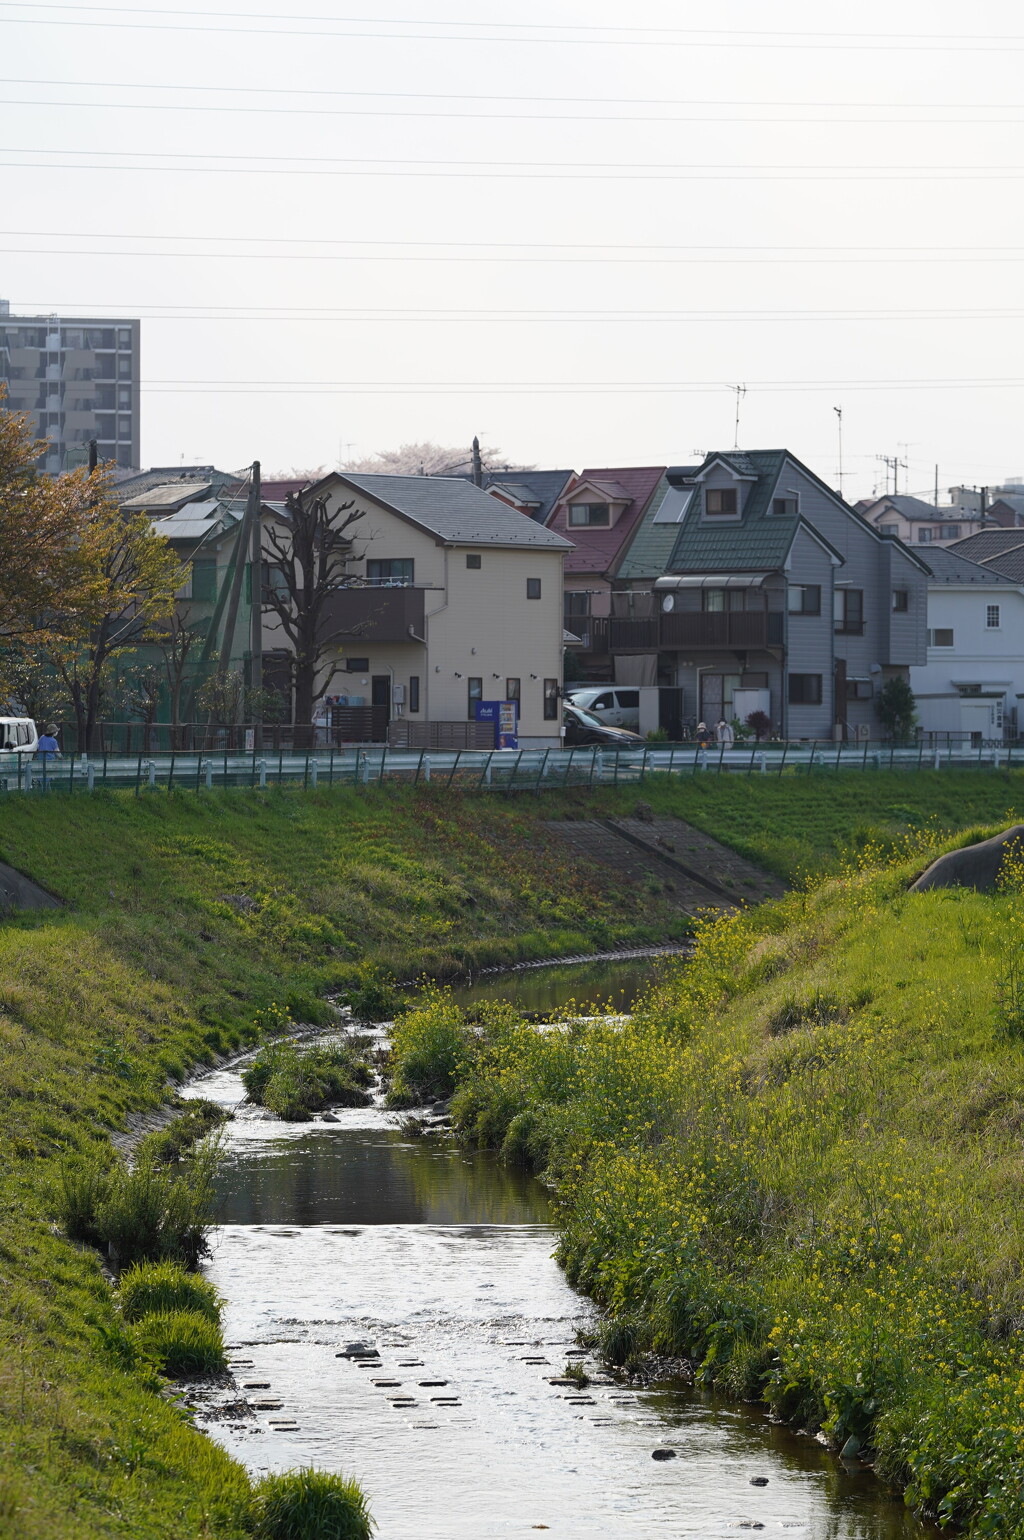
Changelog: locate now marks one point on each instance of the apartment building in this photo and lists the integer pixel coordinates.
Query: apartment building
(78, 378)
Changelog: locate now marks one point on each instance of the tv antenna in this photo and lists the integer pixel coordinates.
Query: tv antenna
(839, 472)
(739, 391)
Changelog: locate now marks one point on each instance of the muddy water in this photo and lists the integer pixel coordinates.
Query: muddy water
(333, 1234)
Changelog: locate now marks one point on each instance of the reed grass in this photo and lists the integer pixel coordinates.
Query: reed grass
(150, 1288)
(311, 1505)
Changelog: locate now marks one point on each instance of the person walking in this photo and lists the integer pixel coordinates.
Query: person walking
(725, 734)
(47, 747)
(705, 738)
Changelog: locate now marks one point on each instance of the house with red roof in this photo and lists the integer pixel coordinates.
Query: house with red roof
(599, 511)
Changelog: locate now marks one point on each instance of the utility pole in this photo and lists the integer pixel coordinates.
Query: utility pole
(93, 455)
(478, 469)
(243, 547)
(839, 474)
(740, 392)
(936, 499)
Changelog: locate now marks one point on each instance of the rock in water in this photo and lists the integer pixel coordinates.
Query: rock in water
(976, 866)
(759, 1481)
(663, 1454)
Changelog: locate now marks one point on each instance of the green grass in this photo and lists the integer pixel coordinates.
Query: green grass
(311, 1505)
(187, 920)
(152, 1287)
(800, 1163)
(182, 1343)
(294, 1082)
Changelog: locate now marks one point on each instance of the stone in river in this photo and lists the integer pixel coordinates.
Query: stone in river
(759, 1481)
(663, 1454)
(358, 1350)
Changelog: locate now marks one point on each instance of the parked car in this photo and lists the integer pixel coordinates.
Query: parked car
(583, 727)
(612, 705)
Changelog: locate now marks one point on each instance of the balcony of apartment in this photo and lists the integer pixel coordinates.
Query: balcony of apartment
(682, 630)
(376, 614)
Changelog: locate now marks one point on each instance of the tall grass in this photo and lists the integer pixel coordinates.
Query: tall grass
(180, 1342)
(145, 1213)
(311, 1505)
(295, 1081)
(151, 1287)
(799, 1163)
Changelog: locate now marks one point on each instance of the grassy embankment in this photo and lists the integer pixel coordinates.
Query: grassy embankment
(186, 917)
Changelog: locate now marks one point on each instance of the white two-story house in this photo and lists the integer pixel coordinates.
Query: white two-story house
(971, 687)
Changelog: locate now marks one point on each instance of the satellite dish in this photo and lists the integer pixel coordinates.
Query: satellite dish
(668, 603)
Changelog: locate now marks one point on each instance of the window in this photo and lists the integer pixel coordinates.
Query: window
(394, 573)
(204, 578)
(924, 536)
(476, 693)
(124, 397)
(950, 532)
(900, 601)
(551, 700)
(805, 689)
(576, 606)
(785, 507)
(720, 500)
(124, 369)
(513, 691)
(859, 689)
(357, 665)
(628, 700)
(589, 515)
(849, 611)
(992, 617)
(473, 561)
(273, 581)
(414, 692)
(124, 337)
(533, 588)
(890, 531)
(940, 638)
(804, 598)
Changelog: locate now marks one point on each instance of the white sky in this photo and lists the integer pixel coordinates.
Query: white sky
(803, 250)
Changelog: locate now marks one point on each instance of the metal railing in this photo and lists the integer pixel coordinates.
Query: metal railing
(508, 770)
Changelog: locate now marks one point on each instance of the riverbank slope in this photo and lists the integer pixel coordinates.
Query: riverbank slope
(184, 917)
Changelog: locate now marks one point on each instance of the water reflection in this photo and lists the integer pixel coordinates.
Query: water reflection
(370, 1176)
(611, 981)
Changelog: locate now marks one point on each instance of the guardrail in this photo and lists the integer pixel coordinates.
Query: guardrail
(507, 770)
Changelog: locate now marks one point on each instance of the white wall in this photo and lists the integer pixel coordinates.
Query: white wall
(979, 655)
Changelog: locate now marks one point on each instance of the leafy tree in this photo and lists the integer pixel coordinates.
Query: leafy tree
(894, 706)
(309, 551)
(760, 724)
(44, 561)
(133, 575)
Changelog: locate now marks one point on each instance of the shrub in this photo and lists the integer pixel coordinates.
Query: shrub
(431, 1047)
(169, 1145)
(146, 1213)
(294, 1082)
(181, 1342)
(373, 996)
(151, 1288)
(311, 1505)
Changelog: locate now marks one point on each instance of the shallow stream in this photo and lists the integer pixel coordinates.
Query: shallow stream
(336, 1234)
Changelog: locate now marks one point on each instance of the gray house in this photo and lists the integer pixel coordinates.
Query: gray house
(774, 596)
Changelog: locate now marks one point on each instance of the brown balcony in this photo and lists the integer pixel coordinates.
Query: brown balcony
(380, 615)
(685, 630)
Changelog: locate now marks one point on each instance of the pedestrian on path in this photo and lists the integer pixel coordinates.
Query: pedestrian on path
(725, 734)
(705, 737)
(47, 747)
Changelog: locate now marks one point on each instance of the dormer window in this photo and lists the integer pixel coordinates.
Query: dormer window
(720, 501)
(589, 515)
(784, 507)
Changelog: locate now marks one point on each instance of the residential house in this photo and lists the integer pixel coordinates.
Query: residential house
(534, 493)
(599, 512)
(774, 596)
(916, 522)
(972, 681)
(456, 598)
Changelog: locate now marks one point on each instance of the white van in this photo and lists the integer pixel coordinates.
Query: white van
(18, 735)
(610, 703)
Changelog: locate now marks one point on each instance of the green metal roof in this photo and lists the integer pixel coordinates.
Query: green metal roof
(651, 546)
(759, 539)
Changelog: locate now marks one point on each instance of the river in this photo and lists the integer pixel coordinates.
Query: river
(349, 1237)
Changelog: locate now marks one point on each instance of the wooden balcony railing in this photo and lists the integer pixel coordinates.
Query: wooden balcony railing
(687, 630)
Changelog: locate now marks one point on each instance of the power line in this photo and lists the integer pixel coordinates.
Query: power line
(569, 33)
(316, 256)
(498, 117)
(316, 240)
(595, 171)
(496, 314)
(461, 96)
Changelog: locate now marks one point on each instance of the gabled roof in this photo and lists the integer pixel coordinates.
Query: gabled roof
(611, 491)
(598, 550)
(988, 543)
(753, 541)
(543, 487)
(950, 568)
(165, 499)
(909, 507)
(451, 509)
(1009, 564)
(198, 477)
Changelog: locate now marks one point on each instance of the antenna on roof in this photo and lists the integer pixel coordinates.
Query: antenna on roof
(839, 473)
(740, 391)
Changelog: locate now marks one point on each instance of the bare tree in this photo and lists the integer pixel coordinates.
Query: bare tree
(177, 640)
(309, 552)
